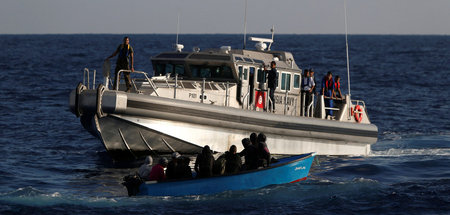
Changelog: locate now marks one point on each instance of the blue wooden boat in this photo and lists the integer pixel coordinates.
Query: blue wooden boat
(286, 170)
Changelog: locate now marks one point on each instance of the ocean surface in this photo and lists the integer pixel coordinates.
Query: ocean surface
(50, 165)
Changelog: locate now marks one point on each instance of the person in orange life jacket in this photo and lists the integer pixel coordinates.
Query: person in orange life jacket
(337, 87)
(272, 81)
(125, 61)
(328, 91)
(157, 173)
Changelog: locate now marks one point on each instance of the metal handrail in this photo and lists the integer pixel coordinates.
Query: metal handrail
(86, 71)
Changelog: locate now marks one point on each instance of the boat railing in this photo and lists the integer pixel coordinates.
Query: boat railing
(309, 107)
(86, 76)
(151, 83)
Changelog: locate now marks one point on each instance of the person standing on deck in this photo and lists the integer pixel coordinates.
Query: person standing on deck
(337, 87)
(125, 61)
(328, 91)
(272, 82)
(307, 89)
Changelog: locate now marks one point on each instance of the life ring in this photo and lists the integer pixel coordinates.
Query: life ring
(358, 113)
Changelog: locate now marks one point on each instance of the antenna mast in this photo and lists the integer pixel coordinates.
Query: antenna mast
(245, 24)
(346, 48)
(178, 27)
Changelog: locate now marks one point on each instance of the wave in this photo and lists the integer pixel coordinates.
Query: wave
(395, 152)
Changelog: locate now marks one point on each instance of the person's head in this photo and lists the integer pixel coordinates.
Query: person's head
(329, 75)
(273, 64)
(306, 73)
(175, 155)
(233, 149)
(311, 72)
(245, 142)
(163, 161)
(148, 160)
(253, 138)
(261, 138)
(206, 150)
(126, 40)
(337, 78)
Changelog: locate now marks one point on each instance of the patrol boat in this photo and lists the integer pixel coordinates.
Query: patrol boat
(217, 97)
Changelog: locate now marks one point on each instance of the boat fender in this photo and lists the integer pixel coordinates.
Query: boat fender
(80, 88)
(100, 89)
(358, 113)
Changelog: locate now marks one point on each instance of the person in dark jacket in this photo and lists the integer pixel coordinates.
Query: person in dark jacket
(272, 82)
(125, 61)
(263, 151)
(234, 162)
(250, 152)
(172, 166)
(204, 163)
(183, 169)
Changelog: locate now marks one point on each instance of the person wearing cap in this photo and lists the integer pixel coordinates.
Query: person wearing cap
(171, 171)
(157, 173)
(146, 168)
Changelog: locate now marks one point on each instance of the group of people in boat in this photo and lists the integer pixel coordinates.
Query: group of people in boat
(255, 154)
(331, 90)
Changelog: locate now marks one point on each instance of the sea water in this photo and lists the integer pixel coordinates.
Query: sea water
(50, 165)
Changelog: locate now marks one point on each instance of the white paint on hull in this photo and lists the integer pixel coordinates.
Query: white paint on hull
(220, 139)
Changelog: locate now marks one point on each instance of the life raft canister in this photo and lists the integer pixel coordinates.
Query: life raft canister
(358, 113)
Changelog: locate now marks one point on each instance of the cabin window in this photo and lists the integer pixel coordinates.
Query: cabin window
(206, 71)
(261, 76)
(285, 81)
(245, 74)
(296, 81)
(240, 73)
(163, 69)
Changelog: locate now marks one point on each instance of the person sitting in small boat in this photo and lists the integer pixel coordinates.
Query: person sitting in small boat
(328, 91)
(263, 151)
(157, 173)
(251, 153)
(172, 166)
(244, 153)
(183, 170)
(204, 163)
(234, 162)
(146, 168)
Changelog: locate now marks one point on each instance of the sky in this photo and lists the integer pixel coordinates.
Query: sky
(224, 16)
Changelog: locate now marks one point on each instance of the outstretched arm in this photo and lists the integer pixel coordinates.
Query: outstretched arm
(114, 54)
